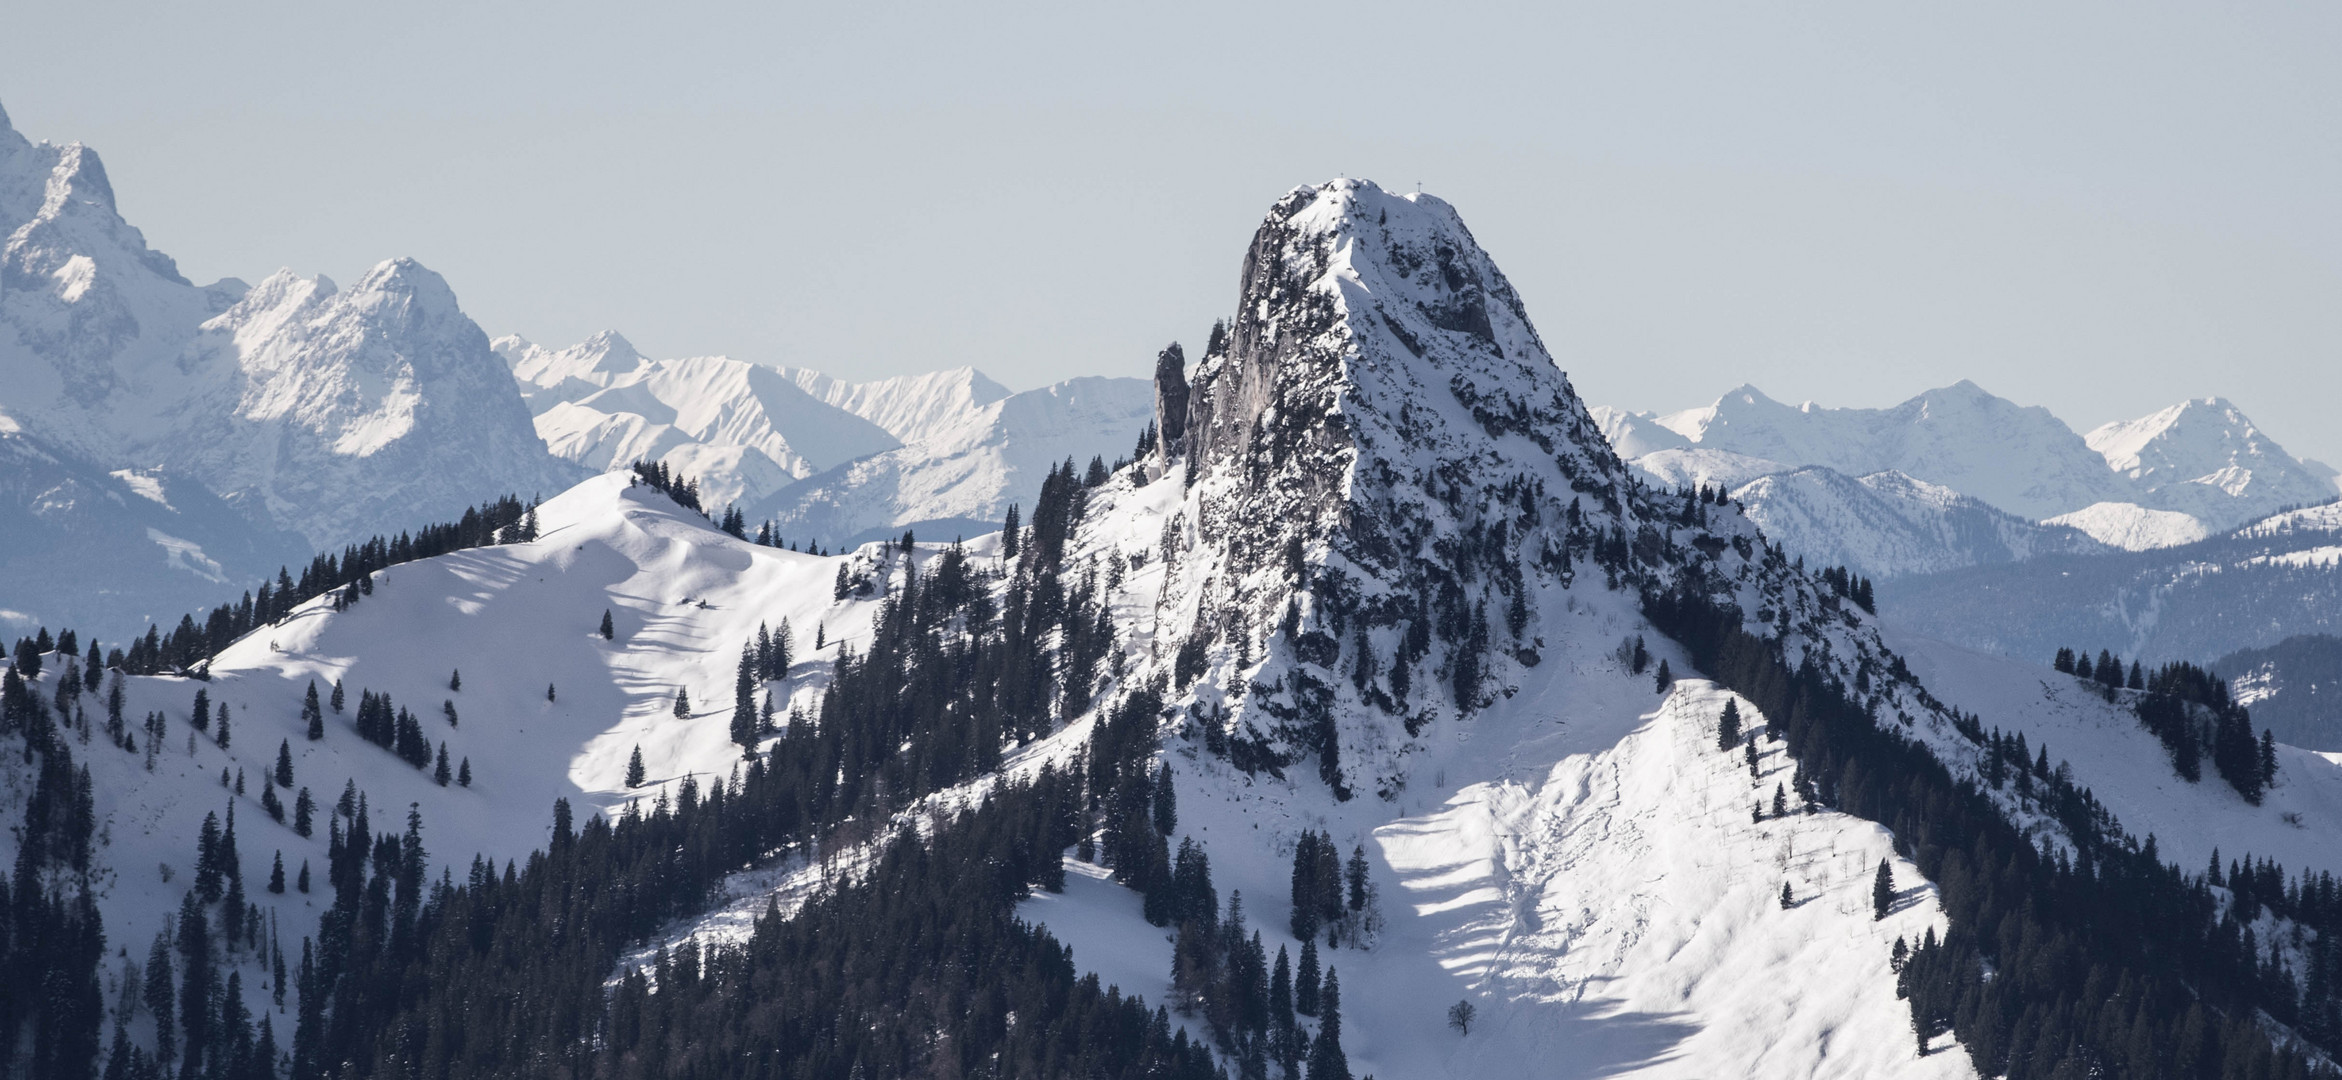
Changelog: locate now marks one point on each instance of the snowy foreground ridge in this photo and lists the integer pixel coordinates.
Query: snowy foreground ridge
(1392, 580)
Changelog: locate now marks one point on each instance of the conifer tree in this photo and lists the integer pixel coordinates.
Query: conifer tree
(161, 996)
(201, 716)
(1788, 898)
(634, 771)
(276, 875)
(548, 691)
(1008, 534)
(1166, 809)
(463, 773)
(337, 696)
(447, 709)
(1357, 877)
(839, 589)
(609, 628)
(1882, 891)
(1326, 1059)
(312, 714)
(455, 681)
(284, 763)
(1305, 979)
(223, 732)
(1304, 887)
(682, 704)
(1728, 726)
(1665, 678)
(1281, 992)
(744, 725)
(304, 812)
(303, 882)
(1780, 801)
(440, 774)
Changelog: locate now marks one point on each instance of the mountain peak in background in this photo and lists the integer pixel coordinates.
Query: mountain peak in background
(329, 413)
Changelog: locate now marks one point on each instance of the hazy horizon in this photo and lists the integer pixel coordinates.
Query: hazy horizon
(2096, 210)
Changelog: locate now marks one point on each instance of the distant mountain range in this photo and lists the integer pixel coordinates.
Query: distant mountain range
(2196, 469)
(824, 458)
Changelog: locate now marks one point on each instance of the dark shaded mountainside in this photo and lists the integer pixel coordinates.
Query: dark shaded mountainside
(2293, 687)
(2250, 588)
(1376, 511)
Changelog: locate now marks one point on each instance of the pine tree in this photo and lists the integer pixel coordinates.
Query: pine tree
(1326, 1059)
(304, 812)
(1882, 891)
(1304, 888)
(1008, 534)
(455, 681)
(1281, 992)
(313, 715)
(201, 714)
(1728, 726)
(161, 997)
(609, 628)
(682, 704)
(839, 589)
(223, 732)
(744, 724)
(303, 882)
(337, 696)
(1788, 898)
(1166, 808)
(1665, 678)
(1780, 801)
(634, 771)
(276, 875)
(447, 709)
(440, 773)
(463, 773)
(1305, 980)
(548, 691)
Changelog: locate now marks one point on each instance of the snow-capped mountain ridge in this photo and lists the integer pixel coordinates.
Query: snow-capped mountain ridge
(332, 412)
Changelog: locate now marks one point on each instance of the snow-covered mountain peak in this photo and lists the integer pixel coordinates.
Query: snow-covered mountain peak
(1356, 301)
(596, 361)
(2204, 456)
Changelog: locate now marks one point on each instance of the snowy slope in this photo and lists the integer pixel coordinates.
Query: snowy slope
(1889, 525)
(334, 414)
(2299, 822)
(2132, 527)
(1695, 467)
(511, 619)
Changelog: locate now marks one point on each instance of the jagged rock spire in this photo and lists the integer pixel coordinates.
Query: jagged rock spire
(1170, 400)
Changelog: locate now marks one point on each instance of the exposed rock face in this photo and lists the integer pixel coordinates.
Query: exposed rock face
(1388, 469)
(1170, 400)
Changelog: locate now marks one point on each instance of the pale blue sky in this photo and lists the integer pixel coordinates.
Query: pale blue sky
(2101, 208)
